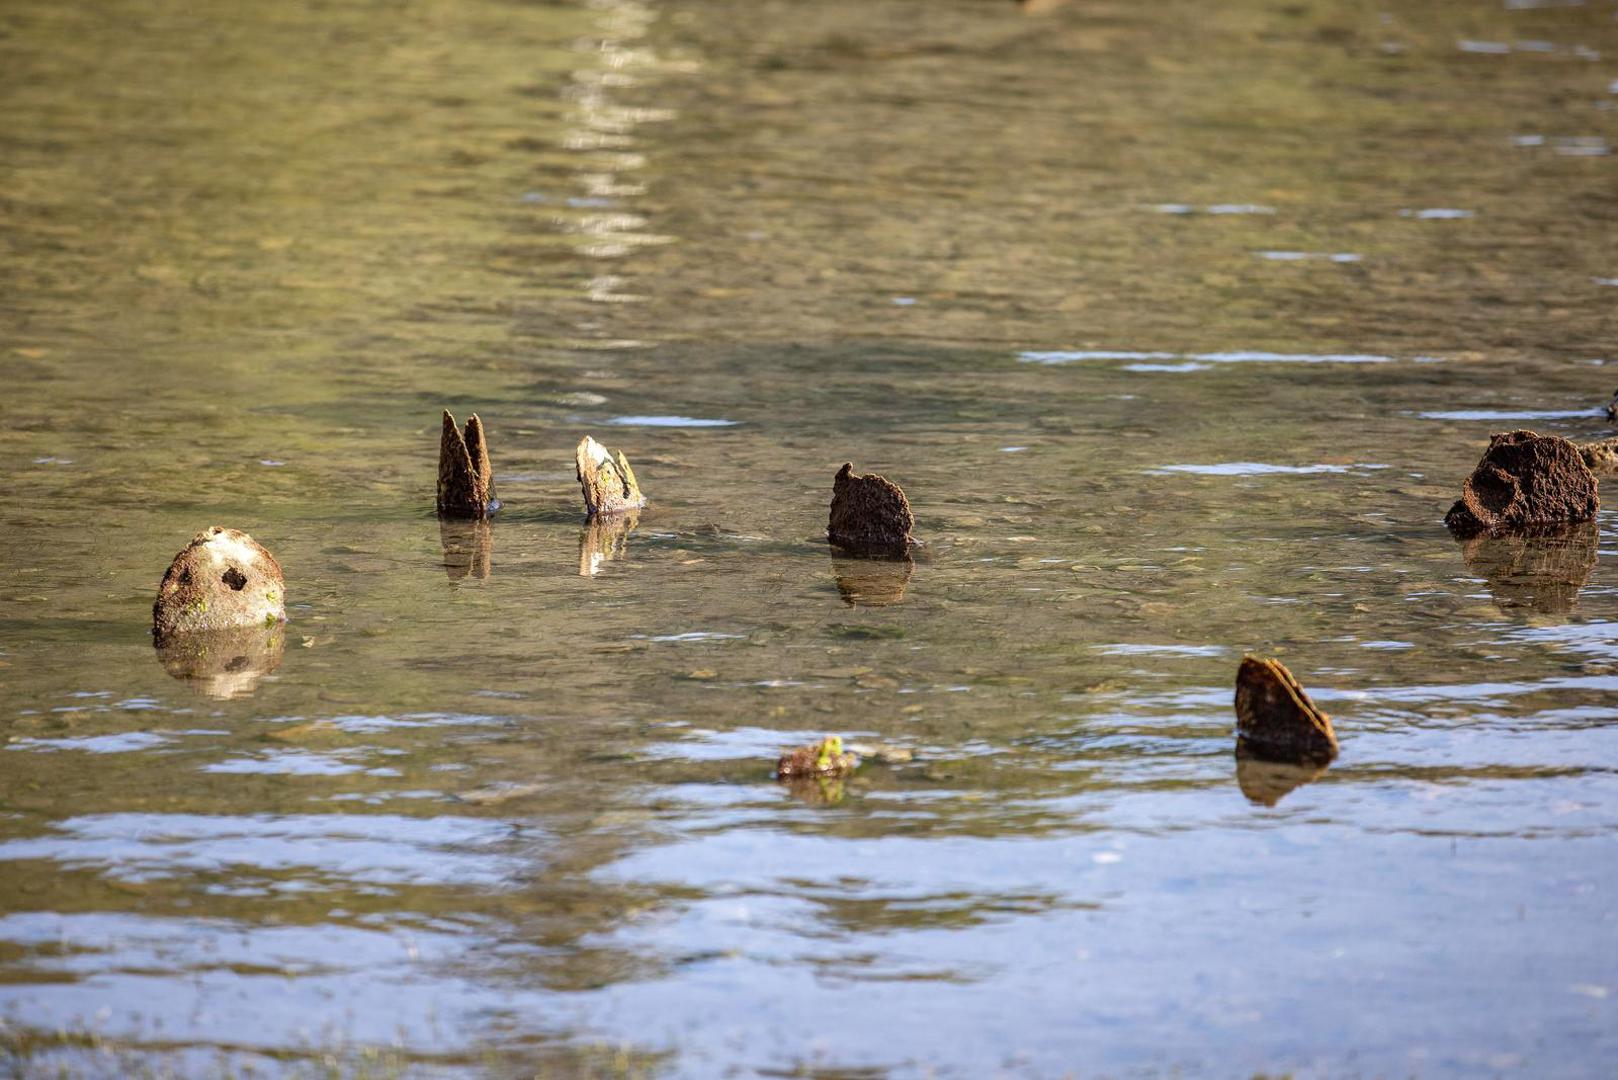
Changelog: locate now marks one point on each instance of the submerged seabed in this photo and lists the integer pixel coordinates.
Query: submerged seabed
(1179, 323)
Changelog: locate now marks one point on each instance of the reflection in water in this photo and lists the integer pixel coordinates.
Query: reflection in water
(604, 538)
(233, 242)
(1266, 783)
(468, 548)
(223, 663)
(817, 790)
(1543, 571)
(872, 582)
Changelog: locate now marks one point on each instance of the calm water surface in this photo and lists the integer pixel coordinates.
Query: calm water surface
(1180, 323)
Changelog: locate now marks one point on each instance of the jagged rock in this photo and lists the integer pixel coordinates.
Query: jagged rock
(223, 663)
(607, 480)
(1541, 569)
(1275, 720)
(1525, 479)
(221, 579)
(465, 479)
(1612, 407)
(869, 515)
(468, 548)
(825, 758)
(1600, 456)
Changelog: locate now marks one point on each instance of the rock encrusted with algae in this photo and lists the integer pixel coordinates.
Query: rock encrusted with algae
(222, 579)
(607, 480)
(1600, 456)
(465, 478)
(825, 758)
(869, 515)
(1275, 720)
(1525, 480)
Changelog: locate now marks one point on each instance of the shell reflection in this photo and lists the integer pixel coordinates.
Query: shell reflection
(872, 582)
(1542, 571)
(603, 539)
(1266, 783)
(223, 663)
(468, 548)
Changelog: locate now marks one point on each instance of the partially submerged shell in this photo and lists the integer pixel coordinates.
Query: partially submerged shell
(223, 578)
(1600, 456)
(465, 478)
(1275, 720)
(1525, 480)
(607, 480)
(825, 758)
(869, 515)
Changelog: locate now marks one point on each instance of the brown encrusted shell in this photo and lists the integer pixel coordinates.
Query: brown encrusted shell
(869, 515)
(606, 479)
(1601, 455)
(465, 479)
(223, 578)
(1525, 479)
(806, 761)
(1275, 720)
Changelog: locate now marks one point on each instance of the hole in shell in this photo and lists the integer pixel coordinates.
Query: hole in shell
(235, 579)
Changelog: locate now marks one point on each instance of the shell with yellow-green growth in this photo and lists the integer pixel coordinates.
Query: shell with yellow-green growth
(825, 758)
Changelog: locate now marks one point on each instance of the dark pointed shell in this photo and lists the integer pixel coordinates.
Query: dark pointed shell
(1275, 720)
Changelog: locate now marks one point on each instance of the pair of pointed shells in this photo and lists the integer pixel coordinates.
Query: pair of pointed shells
(466, 480)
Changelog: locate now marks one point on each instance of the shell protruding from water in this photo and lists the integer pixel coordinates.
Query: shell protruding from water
(1275, 720)
(221, 580)
(606, 479)
(869, 515)
(465, 478)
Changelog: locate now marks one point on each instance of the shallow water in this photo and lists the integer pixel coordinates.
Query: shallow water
(497, 801)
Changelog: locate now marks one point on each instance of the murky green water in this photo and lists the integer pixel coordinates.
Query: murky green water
(1179, 323)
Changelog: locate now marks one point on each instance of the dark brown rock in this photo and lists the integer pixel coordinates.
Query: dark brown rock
(606, 479)
(869, 515)
(465, 479)
(221, 579)
(1525, 479)
(1275, 720)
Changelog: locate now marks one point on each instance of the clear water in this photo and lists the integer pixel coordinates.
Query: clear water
(501, 803)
